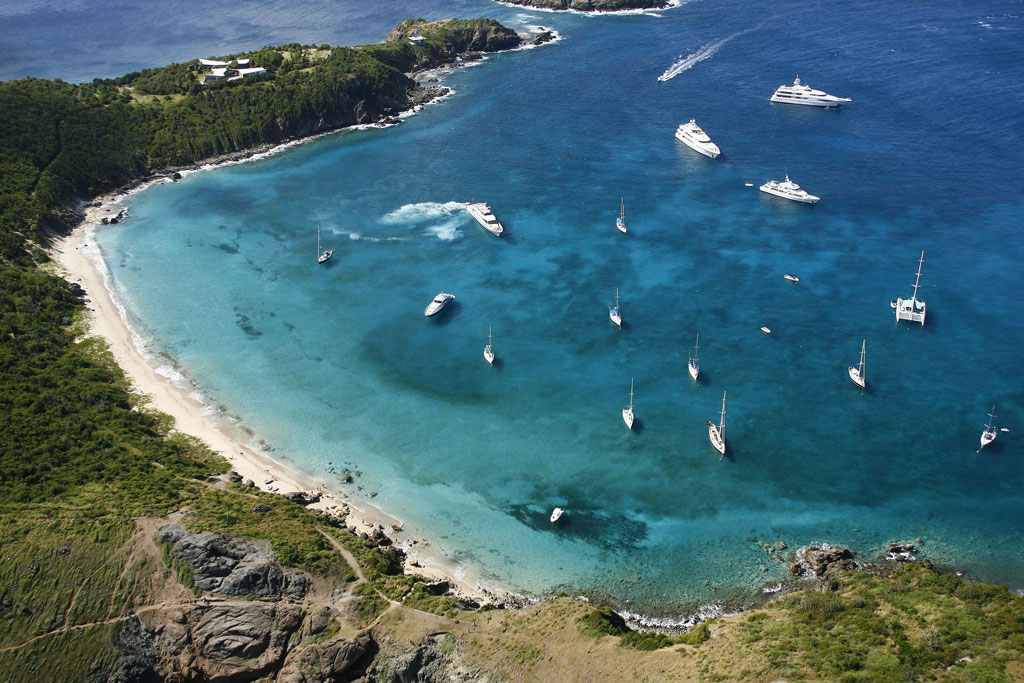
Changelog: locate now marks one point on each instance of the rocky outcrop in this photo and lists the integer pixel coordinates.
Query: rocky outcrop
(440, 42)
(822, 561)
(592, 5)
(233, 565)
(228, 642)
(435, 658)
(326, 661)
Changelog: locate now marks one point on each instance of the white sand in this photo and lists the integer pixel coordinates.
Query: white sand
(108, 321)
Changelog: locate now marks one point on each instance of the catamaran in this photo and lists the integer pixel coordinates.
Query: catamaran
(716, 432)
(989, 435)
(857, 373)
(694, 365)
(911, 309)
(489, 349)
(613, 311)
(322, 256)
(620, 220)
(627, 413)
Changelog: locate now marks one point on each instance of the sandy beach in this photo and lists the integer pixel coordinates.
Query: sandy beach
(80, 263)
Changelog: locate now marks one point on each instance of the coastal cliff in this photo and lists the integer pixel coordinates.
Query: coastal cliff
(592, 5)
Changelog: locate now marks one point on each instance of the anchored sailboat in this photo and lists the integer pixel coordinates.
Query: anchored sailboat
(489, 349)
(989, 435)
(911, 309)
(694, 365)
(613, 311)
(620, 221)
(322, 256)
(716, 432)
(857, 373)
(627, 413)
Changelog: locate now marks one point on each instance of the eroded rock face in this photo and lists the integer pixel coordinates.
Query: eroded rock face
(824, 560)
(233, 565)
(228, 642)
(326, 661)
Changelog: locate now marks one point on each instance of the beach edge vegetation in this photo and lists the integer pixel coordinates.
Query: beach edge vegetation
(88, 472)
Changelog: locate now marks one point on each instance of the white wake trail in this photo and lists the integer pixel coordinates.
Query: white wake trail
(689, 61)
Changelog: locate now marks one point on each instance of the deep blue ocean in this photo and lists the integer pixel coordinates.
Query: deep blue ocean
(337, 367)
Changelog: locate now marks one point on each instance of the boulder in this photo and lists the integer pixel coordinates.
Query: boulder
(234, 565)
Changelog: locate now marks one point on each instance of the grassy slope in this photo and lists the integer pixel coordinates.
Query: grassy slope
(85, 470)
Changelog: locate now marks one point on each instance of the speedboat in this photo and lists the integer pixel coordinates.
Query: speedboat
(798, 93)
(787, 189)
(765, 330)
(440, 301)
(556, 514)
(485, 217)
(791, 278)
(694, 137)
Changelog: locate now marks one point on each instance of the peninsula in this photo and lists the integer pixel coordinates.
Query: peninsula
(133, 551)
(592, 5)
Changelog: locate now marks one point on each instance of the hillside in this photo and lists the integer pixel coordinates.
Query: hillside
(130, 552)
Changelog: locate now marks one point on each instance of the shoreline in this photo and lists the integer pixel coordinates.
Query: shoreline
(107, 320)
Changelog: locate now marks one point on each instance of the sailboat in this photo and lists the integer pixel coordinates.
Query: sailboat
(989, 435)
(322, 256)
(857, 373)
(716, 432)
(489, 349)
(620, 221)
(613, 311)
(627, 413)
(694, 365)
(911, 309)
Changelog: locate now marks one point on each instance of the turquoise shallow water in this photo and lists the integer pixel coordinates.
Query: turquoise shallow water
(336, 365)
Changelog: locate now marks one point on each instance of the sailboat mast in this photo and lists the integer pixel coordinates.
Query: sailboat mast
(721, 423)
(488, 335)
(991, 416)
(616, 297)
(318, 240)
(696, 347)
(918, 280)
(631, 393)
(861, 369)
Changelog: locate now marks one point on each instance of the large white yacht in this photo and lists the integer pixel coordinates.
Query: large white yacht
(485, 217)
(440, 301)
(798, 93)
(693, 136)
(787, 189)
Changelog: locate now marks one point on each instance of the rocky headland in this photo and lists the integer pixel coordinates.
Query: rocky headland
(591, 5)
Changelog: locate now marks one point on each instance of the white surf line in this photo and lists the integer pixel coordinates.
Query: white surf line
(700, 55)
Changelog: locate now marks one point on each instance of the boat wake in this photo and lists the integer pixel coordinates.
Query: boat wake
(442, 220)
(689, 61)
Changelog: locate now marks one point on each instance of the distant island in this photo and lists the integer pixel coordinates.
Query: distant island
(592, 5)
(134, 552)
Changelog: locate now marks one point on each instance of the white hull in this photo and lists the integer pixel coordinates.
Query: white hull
(438, 304)
(620, 225)
(615, 318)
(627, 417)
(855, 376)
(482, 214)
(694, 370)
(326, 256)
(716, 439)
(766, 330)
(489, 355)
(556, 514)
(987, 437)
(810, 102)
(708, 149)
(910, 309)
(803, 199)
(791, 278)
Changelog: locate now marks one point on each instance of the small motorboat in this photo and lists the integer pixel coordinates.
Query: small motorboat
(892, 304)
(440, 301)
(791, 278)
(556, 514)
(765, 330)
